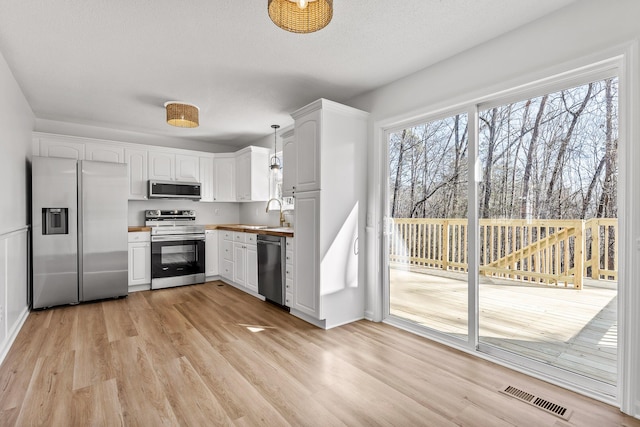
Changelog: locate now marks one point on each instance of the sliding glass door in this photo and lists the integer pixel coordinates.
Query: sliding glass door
(548, 228)
(544, 239)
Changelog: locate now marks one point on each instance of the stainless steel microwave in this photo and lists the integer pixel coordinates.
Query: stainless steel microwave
(174, 190)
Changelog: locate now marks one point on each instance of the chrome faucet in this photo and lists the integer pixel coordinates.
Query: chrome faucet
(281, 213)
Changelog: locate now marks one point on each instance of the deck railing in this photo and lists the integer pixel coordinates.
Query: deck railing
(537, 251)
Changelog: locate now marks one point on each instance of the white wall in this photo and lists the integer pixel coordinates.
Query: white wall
(255, 213)
(206, 212)
(576, 35)
(16, 124)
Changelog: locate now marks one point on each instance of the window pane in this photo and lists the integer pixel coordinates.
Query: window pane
(427, 197)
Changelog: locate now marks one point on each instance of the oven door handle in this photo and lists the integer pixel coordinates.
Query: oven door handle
(176, 238)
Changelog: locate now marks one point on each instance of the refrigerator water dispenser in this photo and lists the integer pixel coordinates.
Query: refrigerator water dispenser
(55, 221)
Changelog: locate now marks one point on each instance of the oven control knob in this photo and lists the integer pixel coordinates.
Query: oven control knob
(191, 213)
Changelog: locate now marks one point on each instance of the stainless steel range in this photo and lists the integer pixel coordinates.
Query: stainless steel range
(177, 248)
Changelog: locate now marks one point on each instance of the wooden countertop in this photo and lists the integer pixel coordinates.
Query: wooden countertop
(244, 228)
(141, 228)
(273, 231)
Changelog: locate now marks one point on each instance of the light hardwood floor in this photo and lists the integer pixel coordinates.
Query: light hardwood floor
(209, 355)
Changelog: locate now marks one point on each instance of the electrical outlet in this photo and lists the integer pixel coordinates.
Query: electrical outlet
(216, 212)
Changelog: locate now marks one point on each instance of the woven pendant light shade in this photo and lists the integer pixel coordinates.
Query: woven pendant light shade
(182, 115)
(287, 15)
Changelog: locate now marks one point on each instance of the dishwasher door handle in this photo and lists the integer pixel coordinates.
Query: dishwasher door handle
(262, 242)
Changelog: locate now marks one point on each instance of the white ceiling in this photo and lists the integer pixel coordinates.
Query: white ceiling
(113, 63)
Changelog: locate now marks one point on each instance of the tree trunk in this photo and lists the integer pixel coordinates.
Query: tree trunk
(396, 186)
(486, 178)
(606, 207)
(524, 205)
(565, 141)
(523, 132)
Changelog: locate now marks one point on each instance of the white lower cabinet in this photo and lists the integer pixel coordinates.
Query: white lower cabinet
(239, 263)
(226, 254)
(306, 298)
(211, 262)
(139, 261)
(239, 259)
(288, 296)
(252, 266)
(245, 261)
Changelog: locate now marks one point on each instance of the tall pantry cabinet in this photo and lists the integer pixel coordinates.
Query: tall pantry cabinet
(330, 189)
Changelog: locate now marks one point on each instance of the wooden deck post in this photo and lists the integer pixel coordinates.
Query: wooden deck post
(578, 256)
(445, 245)
(595, 249)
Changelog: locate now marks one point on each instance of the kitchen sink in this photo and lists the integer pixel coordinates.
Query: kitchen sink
(252, 227)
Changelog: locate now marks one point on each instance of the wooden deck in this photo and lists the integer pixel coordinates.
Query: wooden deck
(566, 328)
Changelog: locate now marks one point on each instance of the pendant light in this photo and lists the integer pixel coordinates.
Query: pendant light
(275, 162)
(301, 16)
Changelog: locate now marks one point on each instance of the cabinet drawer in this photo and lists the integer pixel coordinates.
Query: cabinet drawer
(289, 243)
(251, 238)
(288, 272)
(227, 250)
(226, 270)
(139, 236)
(289, 257)
(239, 237)
(288, 299)
(288, 286)
(227, 235)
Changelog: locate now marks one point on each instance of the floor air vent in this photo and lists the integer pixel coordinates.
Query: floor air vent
(545, 405)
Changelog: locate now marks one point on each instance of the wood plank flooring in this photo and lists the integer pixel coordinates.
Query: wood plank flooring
(210, 355)
(567, 328)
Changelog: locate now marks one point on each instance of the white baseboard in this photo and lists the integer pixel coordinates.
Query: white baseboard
(13, 333)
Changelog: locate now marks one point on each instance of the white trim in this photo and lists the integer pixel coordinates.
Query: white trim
(11, 232)
(473, 239)
(13, 330)
(629, 232)
(13, 334)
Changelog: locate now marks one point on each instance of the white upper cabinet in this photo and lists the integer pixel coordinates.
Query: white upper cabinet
(138, 177)
(206, 179)
(53, 147)
(187, 168)
(167, 166)
(104, 153)
(289, 170)
(243, 178)
(224, 178)
(252, 174)
(307, 164)
(161, 166)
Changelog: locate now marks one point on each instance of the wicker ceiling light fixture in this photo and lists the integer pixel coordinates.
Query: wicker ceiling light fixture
(301, 16)
(182, 115)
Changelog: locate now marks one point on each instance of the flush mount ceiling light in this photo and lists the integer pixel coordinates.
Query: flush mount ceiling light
(301, 16)
(181, 114)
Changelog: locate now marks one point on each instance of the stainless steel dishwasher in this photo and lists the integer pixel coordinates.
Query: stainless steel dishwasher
(271, 265)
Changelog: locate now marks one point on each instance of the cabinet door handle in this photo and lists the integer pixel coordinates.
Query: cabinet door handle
(355, 247)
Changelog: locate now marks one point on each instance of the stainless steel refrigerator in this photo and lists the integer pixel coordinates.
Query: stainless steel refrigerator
(79, 231)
